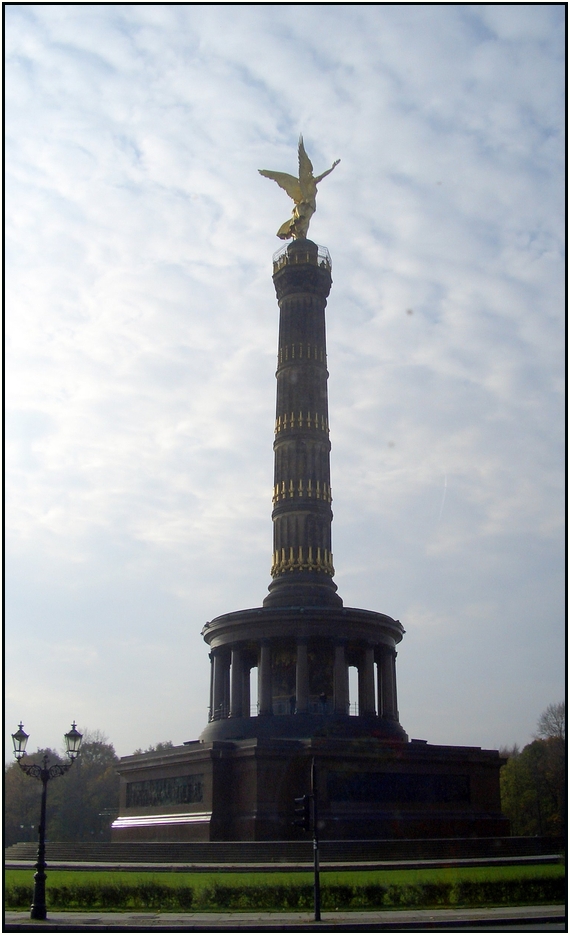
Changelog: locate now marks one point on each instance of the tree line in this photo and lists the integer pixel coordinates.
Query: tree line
(533, 782)
(82, 804)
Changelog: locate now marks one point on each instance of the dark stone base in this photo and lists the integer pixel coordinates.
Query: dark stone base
(302, 589)
(302, 726)
(244, 790)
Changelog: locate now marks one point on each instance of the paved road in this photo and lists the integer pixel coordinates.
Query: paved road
(512, 919)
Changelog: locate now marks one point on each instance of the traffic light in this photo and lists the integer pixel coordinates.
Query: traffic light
(303, 811)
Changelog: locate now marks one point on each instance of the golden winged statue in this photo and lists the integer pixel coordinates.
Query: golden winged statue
(303, 191)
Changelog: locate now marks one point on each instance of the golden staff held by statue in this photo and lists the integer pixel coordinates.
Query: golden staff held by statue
(303, 191)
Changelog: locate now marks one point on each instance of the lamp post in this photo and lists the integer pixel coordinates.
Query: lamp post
(44, 773)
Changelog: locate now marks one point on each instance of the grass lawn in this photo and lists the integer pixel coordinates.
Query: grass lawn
(115, 890)
(275, 878)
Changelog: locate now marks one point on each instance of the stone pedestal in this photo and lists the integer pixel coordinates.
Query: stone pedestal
(368, 789)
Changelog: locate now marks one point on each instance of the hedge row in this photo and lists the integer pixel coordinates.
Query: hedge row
(158, 896)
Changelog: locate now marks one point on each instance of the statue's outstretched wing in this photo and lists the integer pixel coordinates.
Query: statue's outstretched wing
(286, 181)
(305, 164)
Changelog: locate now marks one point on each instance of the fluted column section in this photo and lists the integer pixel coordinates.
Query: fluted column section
(246, 697)
(340, 680)
(302, 679)
(366, 683)
(302, 567)
(236, 683)
(394, 687)
(264, 689)
(220, 679)
(388, 683)
(211, 658)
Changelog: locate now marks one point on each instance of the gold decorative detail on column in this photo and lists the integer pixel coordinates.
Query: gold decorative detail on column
(312, 420)
(300, 351)
(297, 488)
(282, 565)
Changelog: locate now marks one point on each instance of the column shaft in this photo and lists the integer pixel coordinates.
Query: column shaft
(302, 679)
(366, 683)
(394, 688)
(220, 667)
(340, 680)
(236, 690)
(379, 685)
(264, 691)
(246, 699)
(302, 568)
(387, 682)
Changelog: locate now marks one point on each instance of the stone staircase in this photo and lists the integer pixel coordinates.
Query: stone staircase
(270, 853)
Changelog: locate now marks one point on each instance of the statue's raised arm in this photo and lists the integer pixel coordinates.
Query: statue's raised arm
(303, 191)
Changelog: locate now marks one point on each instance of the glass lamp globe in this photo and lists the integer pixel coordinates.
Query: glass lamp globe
(20, 739)
(73, 741)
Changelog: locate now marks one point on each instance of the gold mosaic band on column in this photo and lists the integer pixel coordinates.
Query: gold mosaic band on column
(310, 420)
(301, 488)
(302, 352)
(301, 559)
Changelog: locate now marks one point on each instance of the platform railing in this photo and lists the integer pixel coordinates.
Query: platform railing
(300, 257)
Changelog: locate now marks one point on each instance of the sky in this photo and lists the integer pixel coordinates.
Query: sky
(141, 340)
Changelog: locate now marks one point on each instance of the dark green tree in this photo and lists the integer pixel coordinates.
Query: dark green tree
(533, 782)
(80, 805)
(22, 797)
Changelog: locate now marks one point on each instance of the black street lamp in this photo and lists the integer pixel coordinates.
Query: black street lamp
(44, 773)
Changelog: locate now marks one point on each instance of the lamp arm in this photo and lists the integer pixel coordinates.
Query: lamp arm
(59, 769)
(45, 773)
(33, 770)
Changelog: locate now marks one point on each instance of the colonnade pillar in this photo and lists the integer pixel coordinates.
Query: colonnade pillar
(366, 703)
(230, 681)
(236, 683)
(302, 679)
(388, 684)
(394, 688)
(220, 675)
(246, 699)
(264, 691)
(340, 684)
